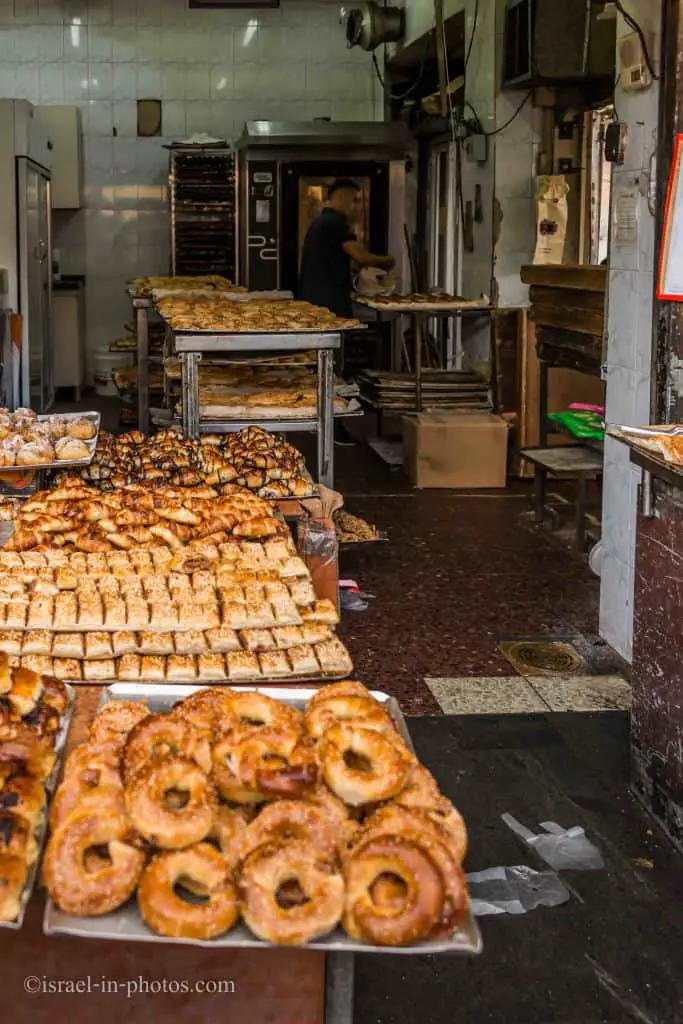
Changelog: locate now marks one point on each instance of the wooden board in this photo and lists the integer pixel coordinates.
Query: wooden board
(564, 318)
(588, 278)
(567, 298)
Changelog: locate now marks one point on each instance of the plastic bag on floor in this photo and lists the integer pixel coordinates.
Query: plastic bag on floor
(560, 848)
(514, 890)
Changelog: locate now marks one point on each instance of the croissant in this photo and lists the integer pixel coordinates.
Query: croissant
(264, 527)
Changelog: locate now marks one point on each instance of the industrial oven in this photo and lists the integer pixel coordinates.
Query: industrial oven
(284, 171)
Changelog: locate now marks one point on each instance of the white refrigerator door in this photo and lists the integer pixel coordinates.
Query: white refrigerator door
(33, 211)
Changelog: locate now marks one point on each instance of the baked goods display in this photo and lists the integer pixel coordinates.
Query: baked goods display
(665, 441)
(29, 440)
(144, 286)
(261, 809)
(262, 462)
(76, 517)
(223, 315)
(241, 609)
(32, 716)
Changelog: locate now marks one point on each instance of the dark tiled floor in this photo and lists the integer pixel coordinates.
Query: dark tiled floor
(461, 572)
(611, 955)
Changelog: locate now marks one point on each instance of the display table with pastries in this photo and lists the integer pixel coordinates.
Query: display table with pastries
(256, 459)
(166, 584)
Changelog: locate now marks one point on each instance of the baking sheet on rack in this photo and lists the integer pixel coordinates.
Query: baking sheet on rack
(126, 925)
(92, 417)
(420, 307)
(41, 832)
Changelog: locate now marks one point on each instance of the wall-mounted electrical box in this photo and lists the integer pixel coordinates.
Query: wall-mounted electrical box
(634, 74)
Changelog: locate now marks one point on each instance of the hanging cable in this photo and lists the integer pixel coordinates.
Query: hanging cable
(632, 23)
(411, 88)
(475, 22)
(509, 121)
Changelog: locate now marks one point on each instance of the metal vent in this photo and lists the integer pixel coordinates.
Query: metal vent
(542, 657)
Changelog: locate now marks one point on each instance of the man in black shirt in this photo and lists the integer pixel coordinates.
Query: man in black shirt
(329, 249)
(330, 246)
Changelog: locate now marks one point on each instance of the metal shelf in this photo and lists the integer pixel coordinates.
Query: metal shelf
(189, 345)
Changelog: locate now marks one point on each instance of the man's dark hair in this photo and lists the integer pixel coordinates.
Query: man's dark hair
(340, 183)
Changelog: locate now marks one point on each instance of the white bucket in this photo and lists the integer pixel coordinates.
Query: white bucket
(103, 362)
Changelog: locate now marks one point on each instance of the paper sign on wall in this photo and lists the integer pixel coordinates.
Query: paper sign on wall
(626, 215)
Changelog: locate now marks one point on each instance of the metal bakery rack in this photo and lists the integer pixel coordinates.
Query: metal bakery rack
(190, 345)
(410, 392)
(202, 205)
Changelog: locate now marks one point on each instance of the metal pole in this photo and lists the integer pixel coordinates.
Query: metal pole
(339, 979)
(325, 417)
(142, 332)
(189, 363)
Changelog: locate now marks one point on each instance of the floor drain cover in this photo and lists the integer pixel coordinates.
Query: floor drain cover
(543, 657)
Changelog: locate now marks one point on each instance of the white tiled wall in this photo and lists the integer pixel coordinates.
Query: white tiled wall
(212, 70)
(629, 351)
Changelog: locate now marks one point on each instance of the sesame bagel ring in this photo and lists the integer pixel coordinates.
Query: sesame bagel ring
(117, 717)
(92, 757)
(256, 709)
(344, 708)
(168, 914)
(292, 819)
(109, 882)
(392, 921)
(421, 789)
(157, 814)
(380, 772)
(347, 688)
(209, 710)
(275, 866)
(73, 797)
(391, 820)
(160, 736)
(227, 782)
(275, 763)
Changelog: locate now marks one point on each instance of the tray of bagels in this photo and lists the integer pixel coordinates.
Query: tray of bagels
(29, 441)
(35, 714)
(251, 817)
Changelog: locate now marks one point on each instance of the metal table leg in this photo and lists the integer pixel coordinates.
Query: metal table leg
(326, 417)
(142, 333)
(581, 505)
(543, 403)
(539, 493)
(419, 323)
(339, 979)
(189, 363)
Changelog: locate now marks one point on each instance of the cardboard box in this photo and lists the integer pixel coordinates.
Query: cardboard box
(455, 449)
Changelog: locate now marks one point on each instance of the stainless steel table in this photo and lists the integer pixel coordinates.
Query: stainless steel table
(189, 346)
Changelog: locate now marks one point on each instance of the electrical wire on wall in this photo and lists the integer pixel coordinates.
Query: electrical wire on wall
(475, 22)
(411, 88)
(637, 28)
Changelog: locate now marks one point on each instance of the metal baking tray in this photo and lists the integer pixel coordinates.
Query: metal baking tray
(41, 832)
(126, 925)
(94, 417)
